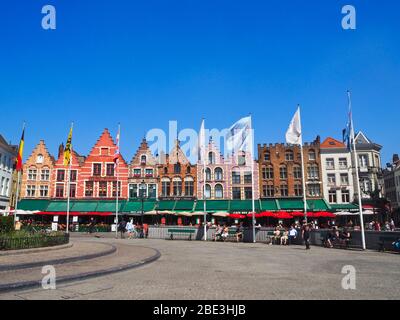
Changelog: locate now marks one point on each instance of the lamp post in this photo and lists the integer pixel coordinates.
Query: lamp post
(142, 194)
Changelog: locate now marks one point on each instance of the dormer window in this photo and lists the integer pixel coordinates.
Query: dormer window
(177, 168)
(143, 159)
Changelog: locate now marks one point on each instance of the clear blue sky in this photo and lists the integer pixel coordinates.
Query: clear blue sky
(143, 63)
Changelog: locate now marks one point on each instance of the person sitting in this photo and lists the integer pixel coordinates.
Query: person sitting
(218, 233)
(277, 235)
(292, 234)
(239, 232)
(225, 233)
(345, 237)
(285, 237)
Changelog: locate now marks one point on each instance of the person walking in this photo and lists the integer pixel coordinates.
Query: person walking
(122, 228)
(129, 228)
(306, 234)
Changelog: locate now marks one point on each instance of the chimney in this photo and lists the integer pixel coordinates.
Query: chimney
(60, 150)
(395, 158)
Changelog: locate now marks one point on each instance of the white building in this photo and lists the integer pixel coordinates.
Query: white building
(337, 177)
(7, 158)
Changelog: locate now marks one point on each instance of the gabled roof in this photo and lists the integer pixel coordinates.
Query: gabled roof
(362, 138)
(10, 148)
(41, 144)
(143, 150)
(330, 143)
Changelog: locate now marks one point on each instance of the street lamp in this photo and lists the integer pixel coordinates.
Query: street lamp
(142, 195)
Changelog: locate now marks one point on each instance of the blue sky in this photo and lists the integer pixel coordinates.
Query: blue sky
(143, 63)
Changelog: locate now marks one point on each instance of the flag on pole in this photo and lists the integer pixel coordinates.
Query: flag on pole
(239, 136)
(68, 148)
(116, 154)
(201, 145)
(293, 133)
(347, 132)
(18, 160)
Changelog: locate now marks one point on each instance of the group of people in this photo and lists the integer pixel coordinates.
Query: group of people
(222, 232)
(336, 237)
(133, 230)
(284, 236)
(387, 226)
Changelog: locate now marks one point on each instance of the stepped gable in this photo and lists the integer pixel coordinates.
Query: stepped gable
(105, 141)
(176, 155)
(143, 150)
(41, 148)
(330, 143)
(76, 158)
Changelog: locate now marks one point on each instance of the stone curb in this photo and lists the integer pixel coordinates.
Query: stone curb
(35, 250)
(19, 266)
(32, 284)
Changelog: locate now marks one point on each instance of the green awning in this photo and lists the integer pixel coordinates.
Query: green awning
(136, 206)
(109, 206)
(243, 205)
(344, 207)
(59, 206)
(269, 205)
(291, 204)
(84, 206)
(318, 205)
(212, 205)
(184, 205)
(166, 205)
(33, 204)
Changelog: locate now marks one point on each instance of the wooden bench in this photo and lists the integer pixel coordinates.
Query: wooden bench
(387, 240)
(340, 243)
(181, 232)
(231, 235)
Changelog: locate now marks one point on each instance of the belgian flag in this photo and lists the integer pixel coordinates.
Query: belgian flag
(67, 150)
(18, 160)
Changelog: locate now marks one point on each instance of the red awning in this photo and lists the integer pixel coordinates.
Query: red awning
(324, 214)
(297, 214)
(267, 214)
(283, 215)
(256, 215)
(237, 216)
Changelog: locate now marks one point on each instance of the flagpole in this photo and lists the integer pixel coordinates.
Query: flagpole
(352, 142)
(303, 171)
(204, 182)
(116, 198)
(18, 182)
(252, 180)
(69, 180)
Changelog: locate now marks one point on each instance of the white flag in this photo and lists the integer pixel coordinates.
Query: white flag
(201, 146)
(293, 133)
(239, 136)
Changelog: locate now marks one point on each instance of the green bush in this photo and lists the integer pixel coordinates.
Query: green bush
(25, 240)
(6, 224)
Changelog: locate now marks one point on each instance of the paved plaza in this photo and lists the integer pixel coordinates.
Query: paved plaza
(209, 270)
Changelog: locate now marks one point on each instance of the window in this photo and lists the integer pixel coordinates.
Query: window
(133, 191)
(284, 190)
(289, 155)
(363, 161)
(314, 190)
(114, 192)
(218, 174)
(166, 170)
(332, 196)
(104, 151)
(44, 191)
(177, 168)
(59, 190)
(331, 179)
(219, 191)
(211, 158)
(188, 169)
(72, 175)
(142, 187)
(268, 172)
(110, 169)
(344, 179)
(45, 175)
(152, 191)
(342, 163)
(248, 194)
(267, 156)
(137, 172)
(32, 174)
(72, 190)
(143, 159)
(283, 172)
(297, 172)
(30, 190)
(208, 174)
(345, 196)
(207, 193)
(236, 194)
(149, 172)
(330, 163)
(89, 189)
(177, 188)
(311, 155)
(2, 186)
(189, 188)
(165, 187)
(313, 172)
(298, 190)
(7, 187)
(103, 189)
(268, 191)
(97, 169)
(236, 177)
(247, 177)
(60, 175)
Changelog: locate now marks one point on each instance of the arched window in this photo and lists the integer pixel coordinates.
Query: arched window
(165, 170)
(211, 158)
(219, 191)
(208, 191)
(143, 159)
(297, 172)
(311, 155)
(283, 172)
(218, 174)
(188, 169)
(208, 174)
